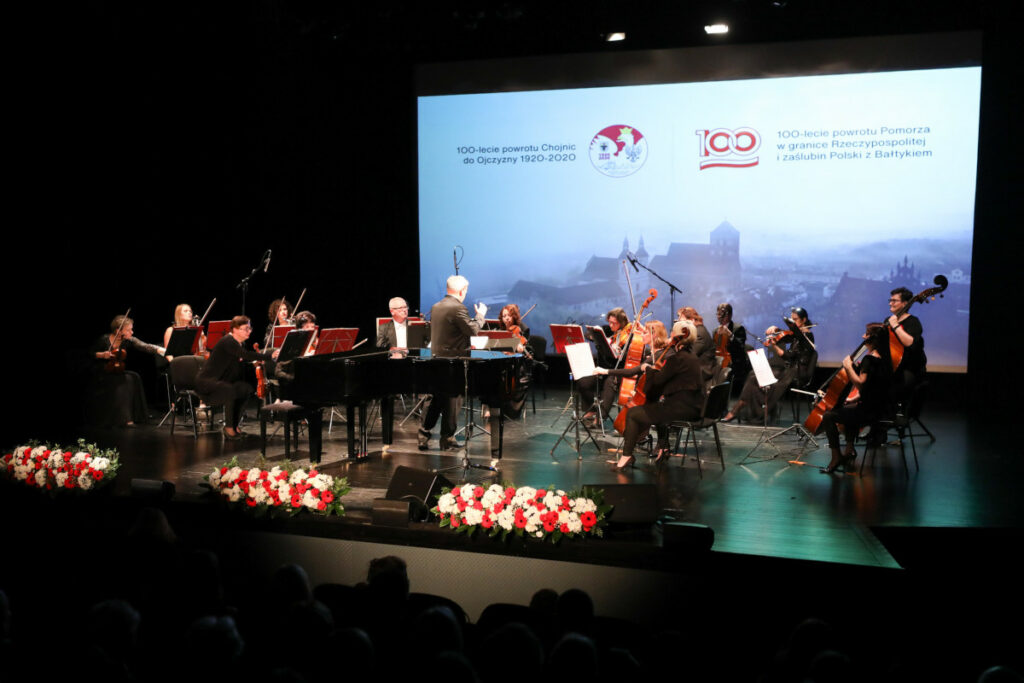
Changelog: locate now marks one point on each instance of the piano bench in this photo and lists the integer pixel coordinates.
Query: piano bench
(291, 415)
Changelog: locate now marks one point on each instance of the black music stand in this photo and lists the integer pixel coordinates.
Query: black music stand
(184, 341)
(571, 336)
(295, 344)
(467, 408)
(765, 378)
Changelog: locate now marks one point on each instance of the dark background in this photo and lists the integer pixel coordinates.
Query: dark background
(160, 148)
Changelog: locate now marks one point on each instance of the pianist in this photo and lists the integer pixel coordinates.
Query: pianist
(450, 330)
(393, 333)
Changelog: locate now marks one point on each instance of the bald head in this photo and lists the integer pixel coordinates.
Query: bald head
(458, 286)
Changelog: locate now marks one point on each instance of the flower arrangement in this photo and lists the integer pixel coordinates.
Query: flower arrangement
(283, 489)
(525, 511)
(56, 469)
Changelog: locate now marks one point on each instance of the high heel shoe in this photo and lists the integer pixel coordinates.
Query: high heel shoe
(662, 456)
(850, 460)
(621, 466)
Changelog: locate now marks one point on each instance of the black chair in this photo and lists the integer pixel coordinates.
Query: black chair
(539, 347)
(804, 390)
(715, 405)
(904, 413)
(291, 414)
(183, 372)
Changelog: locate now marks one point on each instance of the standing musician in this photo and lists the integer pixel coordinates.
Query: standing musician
(220, 382)
(794, 360)
(450, 330)
(183, 317)
(678, 383)
(703, 345)
(871, 376)
(119, 399)
(618, 331)
(394, 333)
(908, 330)
(732, 339)
(279, 313)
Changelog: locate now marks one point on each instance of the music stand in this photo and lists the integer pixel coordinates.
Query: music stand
(417, 333)
(765, 379)
(295, 345)
(336, 339)
(216, 330)
(569, 340)
(467, 407)
(278, 335)
(184, 341)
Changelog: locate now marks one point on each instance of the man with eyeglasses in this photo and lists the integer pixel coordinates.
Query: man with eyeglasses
(220, 380)
(394, 333)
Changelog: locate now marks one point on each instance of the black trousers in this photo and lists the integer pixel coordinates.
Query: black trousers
(231, 395)
(444, 407)
(853, 416)
(641, 418)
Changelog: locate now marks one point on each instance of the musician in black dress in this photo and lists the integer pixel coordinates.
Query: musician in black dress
(617, 332)
(450, 330)
(703, 345)
(871, 376)
(220, 380)
(908, 330)
(794, 360)
(279, 313)
(117, 396)
(678, 384)
(734, 338)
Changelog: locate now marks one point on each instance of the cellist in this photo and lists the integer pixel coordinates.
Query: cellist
(906, 330)
(618, 333)
(678, 384)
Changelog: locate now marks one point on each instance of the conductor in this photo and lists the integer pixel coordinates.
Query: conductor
(450, 330)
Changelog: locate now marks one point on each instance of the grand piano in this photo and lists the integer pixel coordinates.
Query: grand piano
(355, 379)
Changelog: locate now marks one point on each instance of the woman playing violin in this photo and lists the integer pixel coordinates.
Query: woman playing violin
(118, 399)
(730, 342)
(794, 360)
(183, 317)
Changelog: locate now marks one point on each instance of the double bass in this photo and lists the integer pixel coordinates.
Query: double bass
(831, 392)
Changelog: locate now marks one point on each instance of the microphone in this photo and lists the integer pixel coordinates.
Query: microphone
(632, 261)
(266, 261)
(455, 262)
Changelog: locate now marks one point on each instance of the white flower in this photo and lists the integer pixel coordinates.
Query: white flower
(467, 492)
(540, 534)
(284, 492)
(254, 474)
(41, 477)
(233, 474)
(474, 516)
(446, 504)
(259, 494)
(19, 452)
(506, 519)
(234, 494)
(309, 500)
(276, 470)
(552, 501)
(215, 478)
(38, 451)
(62, 478)
(100, 463)
(581, 505)
(298, 476)
(85, 481)
(79, 457)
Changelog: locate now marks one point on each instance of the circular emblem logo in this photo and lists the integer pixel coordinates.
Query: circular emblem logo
(618, 151)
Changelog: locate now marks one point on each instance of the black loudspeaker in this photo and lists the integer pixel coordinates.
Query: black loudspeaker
(152, 489)
(419, 487)
(635, 504)
(687, 537)
(394, 513)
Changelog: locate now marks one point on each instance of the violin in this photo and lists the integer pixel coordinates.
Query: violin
(261, 376)
(115, 363)
(773, 338)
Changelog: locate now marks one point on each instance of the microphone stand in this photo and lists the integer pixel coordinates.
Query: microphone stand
(672, 289)
(243, 284)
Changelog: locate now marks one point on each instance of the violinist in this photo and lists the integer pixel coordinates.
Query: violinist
(511, 320)
(908, 330)
(617, 332)
(703, 345)
(305, 320)
(279, 313)
(220, 380)
(794, 359)
(871, 376)
(119, 399)
(731, 342)
(678, 384)
(183, 317)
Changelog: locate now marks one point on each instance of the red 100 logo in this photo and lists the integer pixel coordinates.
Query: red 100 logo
(722, 147)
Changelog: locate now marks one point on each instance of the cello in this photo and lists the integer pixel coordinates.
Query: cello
(831, 392)
(631, 389)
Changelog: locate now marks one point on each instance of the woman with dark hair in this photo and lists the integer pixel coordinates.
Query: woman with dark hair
(617, 331)
(871, 377)
(220, 380)
(794, 359)
(279, 313)
(908, 330)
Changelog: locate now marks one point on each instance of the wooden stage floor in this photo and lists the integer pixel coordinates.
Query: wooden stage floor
(770, 508)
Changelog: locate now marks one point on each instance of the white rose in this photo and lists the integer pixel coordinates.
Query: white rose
(259, 494)
(285, 492)
(215, 478)
(41, 477)
(38, 451)
(254, 474)
(85, 481)
(62, 478)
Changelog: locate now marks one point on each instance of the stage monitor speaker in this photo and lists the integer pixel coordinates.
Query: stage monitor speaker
(687, 537)
(417, 486)
(635, 504)
(152, 489)
(394, 513)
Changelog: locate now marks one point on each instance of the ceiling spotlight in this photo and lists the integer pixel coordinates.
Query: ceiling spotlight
(716, 28)
(613, 37)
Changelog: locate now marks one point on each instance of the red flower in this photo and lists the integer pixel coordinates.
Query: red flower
(316, 491)
(498, 507)
(588, 519)
(549, 527)
(69, 483)
(313, 473)
(67, 457)
(487, 522)
(477, 505)
(520, 522)
(540, 495)
(565, 528)
(456, 521)
(461, 503)
(250, 502)
(223, 471)
(264, 474)
(96, 474)
(321, 505)
(328, 497)
(296, 501)
(478, 491)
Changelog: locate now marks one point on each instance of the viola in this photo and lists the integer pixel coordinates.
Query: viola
(832, 391)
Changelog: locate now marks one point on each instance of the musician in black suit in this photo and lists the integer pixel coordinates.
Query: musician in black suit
(450, 330)
(394, 333)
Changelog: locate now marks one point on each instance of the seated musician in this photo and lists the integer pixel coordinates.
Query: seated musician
(906, 328)
(220, 380)
(305, 320)
(617, 332)
(793, 361)
(183, 317)
(678, 384)
(117, 395)
(871, 376)
(511, 320)
(279, 313)
(733, 339)
(703, 345)
(450, 330)
(394, 333)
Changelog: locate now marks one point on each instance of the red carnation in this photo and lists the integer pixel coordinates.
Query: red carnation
(264, 474)
(69, 483)
(498, 507)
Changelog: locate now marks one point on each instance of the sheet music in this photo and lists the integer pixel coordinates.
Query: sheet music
(763, 371)
(580, 360)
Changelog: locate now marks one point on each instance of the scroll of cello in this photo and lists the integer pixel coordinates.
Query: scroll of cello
(832, 391)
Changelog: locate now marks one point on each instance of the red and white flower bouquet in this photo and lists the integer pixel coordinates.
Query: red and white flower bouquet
(525, 511)
(56, 469)
(283, 489)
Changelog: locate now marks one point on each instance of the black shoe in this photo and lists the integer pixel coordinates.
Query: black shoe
(450, 444)
(422, 439)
